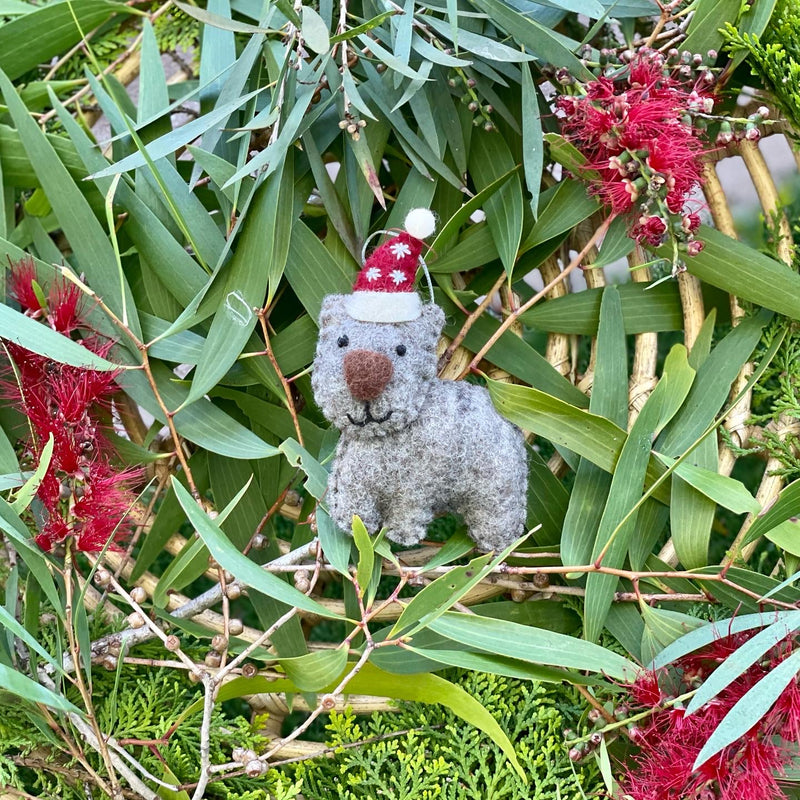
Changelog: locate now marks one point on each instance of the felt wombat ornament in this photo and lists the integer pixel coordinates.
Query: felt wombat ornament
(412, 445)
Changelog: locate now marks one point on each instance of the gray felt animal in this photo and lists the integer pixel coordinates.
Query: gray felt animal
(412, 445)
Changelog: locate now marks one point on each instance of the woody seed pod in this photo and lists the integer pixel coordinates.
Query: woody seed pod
(259, 541)
(255, 768)
(102, 577)
(328, 702)
(135, 620)
(138, 595)
(172, 643)
(233, 592)
(235, 627)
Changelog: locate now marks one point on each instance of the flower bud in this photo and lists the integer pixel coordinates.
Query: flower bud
(564, 77)
(694, 247)
(575, 754)
(751, 132)
(725, 135)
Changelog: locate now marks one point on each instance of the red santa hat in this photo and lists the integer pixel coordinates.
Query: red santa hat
(385, 289)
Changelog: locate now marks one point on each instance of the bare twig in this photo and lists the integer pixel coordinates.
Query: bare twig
(514, 315)
(287, 389)
(469, 322)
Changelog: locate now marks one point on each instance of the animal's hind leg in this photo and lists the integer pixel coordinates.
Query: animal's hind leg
(494, 523)
(408, 526)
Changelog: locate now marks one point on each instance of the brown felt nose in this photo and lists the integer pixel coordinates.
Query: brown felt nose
(367, 373)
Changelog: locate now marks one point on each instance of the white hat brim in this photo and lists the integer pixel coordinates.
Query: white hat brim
(383, 306)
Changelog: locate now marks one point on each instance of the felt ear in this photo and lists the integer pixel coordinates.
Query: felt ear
(433, 317)
(332, 310)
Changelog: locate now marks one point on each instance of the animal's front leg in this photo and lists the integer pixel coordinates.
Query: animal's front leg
(347, 497)
(407, 524)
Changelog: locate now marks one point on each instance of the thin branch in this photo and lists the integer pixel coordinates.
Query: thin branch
(469, 322)
(287, 389)
(514, 315)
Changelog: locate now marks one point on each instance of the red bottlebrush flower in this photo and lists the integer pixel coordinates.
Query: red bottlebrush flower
(20, 286)
(64, 303)
(670, 742)
(690, 223)
(636, 134)
(651, 230)
(646, 691)
(84, 495)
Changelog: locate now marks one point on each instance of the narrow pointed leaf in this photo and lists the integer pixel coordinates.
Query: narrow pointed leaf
(786, 506)
(314, 671)
(241, 567)
(537, 645)
(727, 492)
(88, 239)
(254, 271)
(42, 339)
(742, 659)
(751, 706)
(609, 399)
(28, 690)
(713, 631)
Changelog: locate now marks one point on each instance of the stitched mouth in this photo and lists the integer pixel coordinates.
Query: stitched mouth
(369, 418)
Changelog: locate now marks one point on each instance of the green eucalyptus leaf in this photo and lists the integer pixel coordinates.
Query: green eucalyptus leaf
(315, 31)
(314, 671)
(241, 567)
(728, 492)
(534, 645)
(753, 705)
(25, 689)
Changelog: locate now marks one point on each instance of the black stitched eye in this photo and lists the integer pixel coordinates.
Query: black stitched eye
(400, 350)
(343, 341)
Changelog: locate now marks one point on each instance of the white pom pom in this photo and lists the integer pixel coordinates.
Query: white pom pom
(420, 223)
